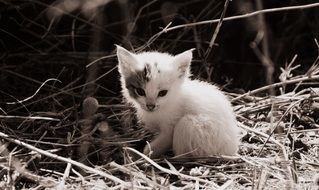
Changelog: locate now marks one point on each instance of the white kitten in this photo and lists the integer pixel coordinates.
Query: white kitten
(189, 116)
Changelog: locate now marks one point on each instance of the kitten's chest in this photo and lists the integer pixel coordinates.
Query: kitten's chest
(158, 121)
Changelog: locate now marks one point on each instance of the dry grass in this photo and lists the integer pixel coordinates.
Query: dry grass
(42, 120)
(279, 150)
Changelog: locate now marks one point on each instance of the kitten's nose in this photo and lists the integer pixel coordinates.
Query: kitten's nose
(150, 107)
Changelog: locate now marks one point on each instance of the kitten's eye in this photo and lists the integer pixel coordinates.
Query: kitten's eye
(162, 93)
(140, 92)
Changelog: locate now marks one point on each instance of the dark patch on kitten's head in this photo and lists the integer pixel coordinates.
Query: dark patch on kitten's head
(156, 66)
(147, 72)
(138, 79)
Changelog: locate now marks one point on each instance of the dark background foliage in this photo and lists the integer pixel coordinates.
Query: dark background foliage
(37, 42)
(38, 47)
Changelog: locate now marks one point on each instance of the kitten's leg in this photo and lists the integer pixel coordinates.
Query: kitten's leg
(161, 143)
(201, 135)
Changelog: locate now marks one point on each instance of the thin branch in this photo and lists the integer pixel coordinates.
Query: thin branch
(26, 99)
(212, 41)
(139, 13)
(306, 78)
(271, 10)
(28, 117)
(61, 185)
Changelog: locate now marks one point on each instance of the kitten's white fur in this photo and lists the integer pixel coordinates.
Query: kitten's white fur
(194, 117)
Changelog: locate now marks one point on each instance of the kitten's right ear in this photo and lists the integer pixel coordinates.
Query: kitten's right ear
(183, 62)
(127, 61)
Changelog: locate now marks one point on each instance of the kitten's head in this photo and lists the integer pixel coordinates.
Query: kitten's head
(150, 80)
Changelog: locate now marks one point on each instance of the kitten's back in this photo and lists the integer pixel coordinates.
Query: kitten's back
(208, 124)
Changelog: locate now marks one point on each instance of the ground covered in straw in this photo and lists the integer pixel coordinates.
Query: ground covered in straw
(63, 124)
(279, 146)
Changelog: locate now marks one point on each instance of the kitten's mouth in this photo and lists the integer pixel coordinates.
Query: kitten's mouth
(151, 108)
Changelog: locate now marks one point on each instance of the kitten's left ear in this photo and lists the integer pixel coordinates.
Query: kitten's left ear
(183, 61)
(127, 61)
